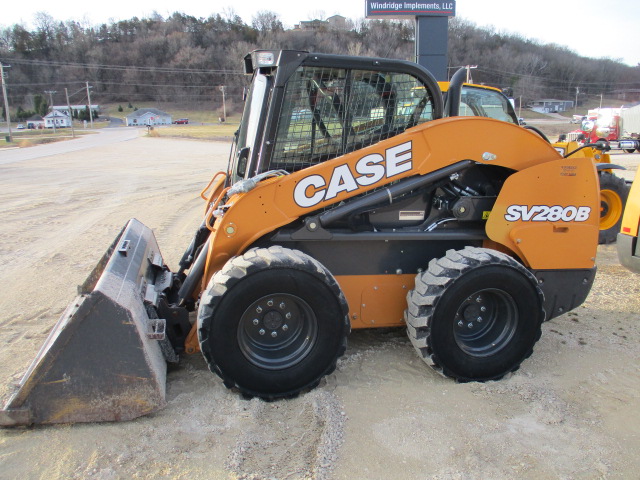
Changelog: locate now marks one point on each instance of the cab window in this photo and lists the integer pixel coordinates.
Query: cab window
(483, 102)
(328, 112)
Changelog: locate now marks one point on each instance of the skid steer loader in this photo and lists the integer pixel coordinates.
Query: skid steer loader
(350, 201)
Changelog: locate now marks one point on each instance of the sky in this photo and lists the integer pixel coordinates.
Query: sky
(591, 28)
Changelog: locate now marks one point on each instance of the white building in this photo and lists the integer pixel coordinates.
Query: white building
(148, 117)
(58, 119)
(551, 105)
(76, 108)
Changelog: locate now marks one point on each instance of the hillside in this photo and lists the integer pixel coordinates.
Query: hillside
(183, 59)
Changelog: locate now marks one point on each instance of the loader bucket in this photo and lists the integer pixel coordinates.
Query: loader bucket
(100, 361)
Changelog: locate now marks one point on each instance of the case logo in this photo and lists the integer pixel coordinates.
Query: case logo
(370, 169)
(545, 213)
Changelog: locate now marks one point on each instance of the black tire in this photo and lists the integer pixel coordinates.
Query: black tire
(629, 150)
(273, 322)
(613, 198)
(475, 314)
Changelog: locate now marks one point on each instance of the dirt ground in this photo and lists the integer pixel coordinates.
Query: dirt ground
(571, 412)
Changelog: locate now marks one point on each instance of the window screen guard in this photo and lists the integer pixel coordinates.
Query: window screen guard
(328, 112)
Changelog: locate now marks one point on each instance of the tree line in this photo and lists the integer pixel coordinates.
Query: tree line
(185, 60)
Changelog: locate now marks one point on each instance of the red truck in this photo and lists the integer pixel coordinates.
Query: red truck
(617, 127)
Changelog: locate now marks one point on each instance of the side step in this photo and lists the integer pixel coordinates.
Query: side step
(102, 361)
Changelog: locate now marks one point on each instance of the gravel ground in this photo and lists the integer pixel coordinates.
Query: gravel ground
(571, 412)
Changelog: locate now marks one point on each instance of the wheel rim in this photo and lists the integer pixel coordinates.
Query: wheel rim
(277, 331)
(485, 322)
(610, 209)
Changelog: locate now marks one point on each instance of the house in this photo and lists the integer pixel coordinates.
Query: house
(549, 105)
(76, 108)
(58, 119)
(147, 117)
(336, 22)
(35, 122)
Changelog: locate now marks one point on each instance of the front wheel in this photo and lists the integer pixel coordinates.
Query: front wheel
(272, 323)
(475, 314)
(613, 197)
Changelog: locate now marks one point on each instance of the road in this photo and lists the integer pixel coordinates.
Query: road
(101, 138)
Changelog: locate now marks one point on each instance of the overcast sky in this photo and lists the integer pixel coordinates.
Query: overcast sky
(592, 28)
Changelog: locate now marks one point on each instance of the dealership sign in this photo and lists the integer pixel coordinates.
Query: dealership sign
(409, 9)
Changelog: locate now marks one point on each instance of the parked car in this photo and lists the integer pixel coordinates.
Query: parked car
(20, 126)
(181, 121)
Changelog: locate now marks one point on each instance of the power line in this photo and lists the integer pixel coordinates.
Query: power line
(53, 63)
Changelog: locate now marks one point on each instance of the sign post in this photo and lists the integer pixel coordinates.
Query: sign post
(432, 24)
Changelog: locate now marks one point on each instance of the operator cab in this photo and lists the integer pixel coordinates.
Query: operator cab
(470, 100)
(303, 109)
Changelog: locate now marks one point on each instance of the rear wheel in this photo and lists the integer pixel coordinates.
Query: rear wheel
(272, 323)
(629, 150)
(613, 197)
(475, 314)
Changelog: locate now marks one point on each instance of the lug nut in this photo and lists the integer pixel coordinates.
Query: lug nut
(461, 323)
(288, 316)
(261, 331)
(282, 305)
(470, 325)
(270, 303)
(479, 319)
(483, 309)
(274, 334)
(285, 327)
(259, 309)
(256, 321)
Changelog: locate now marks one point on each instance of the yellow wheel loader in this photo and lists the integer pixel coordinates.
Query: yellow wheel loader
(351, 200)
(614, 190)
(627, 245)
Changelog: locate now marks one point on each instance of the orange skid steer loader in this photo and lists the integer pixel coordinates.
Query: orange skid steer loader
(350, 201)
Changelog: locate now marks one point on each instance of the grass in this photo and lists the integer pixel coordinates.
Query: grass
(29, 138)
(197, 114)
(223, 131)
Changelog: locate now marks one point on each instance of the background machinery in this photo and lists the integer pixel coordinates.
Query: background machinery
(618, 128)
(355, 197)
(627, 246)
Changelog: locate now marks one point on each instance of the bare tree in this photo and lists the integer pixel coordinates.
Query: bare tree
(267, 21)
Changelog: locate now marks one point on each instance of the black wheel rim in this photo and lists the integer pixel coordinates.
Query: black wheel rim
(485, 322)
(277, 331)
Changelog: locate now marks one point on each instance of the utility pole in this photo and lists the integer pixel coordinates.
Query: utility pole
(520, 107)
(73, 133)
(89, 98)
(575, 108)
(469, 67)
(224, 103)
(53, 119)
(6, 100)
